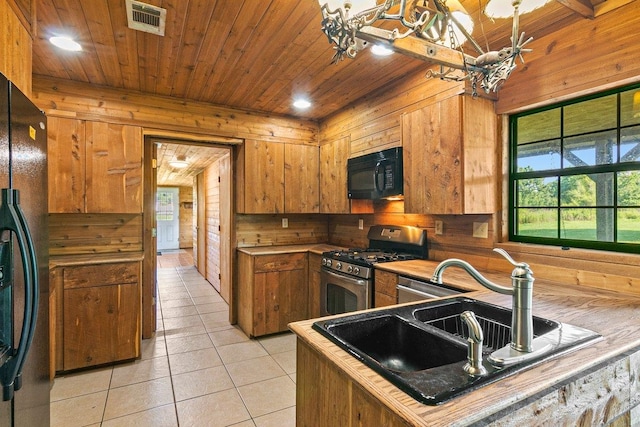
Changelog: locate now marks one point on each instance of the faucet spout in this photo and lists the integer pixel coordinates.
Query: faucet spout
(521, 290)
(454, 262)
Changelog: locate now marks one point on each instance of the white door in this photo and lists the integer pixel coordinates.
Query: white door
(168, 222)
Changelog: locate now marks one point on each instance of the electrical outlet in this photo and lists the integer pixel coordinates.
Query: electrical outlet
(439, 227)
(360, 224)
(285, 222)
(481, 229)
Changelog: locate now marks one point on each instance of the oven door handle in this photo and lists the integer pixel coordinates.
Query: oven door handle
(352, 279)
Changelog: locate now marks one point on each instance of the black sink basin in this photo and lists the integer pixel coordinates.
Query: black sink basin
(396, 344)
(494, 320)
(422, 348)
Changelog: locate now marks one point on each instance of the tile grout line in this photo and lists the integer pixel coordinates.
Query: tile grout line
(166, 347)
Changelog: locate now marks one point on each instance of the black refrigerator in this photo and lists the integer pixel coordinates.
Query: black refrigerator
(24, 275)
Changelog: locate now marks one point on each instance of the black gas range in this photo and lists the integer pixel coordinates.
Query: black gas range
(386, 243)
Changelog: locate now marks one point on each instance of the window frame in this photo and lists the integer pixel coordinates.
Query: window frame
(514, 176)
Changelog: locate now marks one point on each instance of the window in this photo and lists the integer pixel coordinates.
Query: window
(575, 173)
(164, 205)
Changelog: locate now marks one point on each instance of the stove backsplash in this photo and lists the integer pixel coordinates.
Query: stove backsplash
(457, 238)
(343, 230)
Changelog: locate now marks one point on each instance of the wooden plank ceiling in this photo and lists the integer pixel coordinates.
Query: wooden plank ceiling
(248, 54)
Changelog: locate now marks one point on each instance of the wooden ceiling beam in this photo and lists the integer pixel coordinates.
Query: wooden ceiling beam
(582, 7)
(609, 5)
(417, 48)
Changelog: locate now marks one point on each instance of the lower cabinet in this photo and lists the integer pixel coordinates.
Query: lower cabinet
(315, 267)
(272, 292)
(327, 397)
(385, 292)
(100, 318)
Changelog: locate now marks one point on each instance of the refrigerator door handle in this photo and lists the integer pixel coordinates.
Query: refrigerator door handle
(12, 219)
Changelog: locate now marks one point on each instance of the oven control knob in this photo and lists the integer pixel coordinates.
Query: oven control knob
(324, 261)
(349, 269)
(356, 270)
(328, 263)
(339, 266)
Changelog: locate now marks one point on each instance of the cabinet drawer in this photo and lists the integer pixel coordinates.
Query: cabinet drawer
(285, 262)
(101, 275)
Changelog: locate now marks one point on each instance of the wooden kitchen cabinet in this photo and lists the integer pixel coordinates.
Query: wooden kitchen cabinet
(315, 267)
(272, 292)
(339, 401)
(114, 168)
(66, 161)
(333, 177)
(385, 292)
(449, 157)
(94, 167)
(301, 178)
(277, 178)
(100, 316)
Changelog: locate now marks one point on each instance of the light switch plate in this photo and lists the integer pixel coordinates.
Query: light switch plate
(360, 224)
(439, 227)
(481, 229)
(285, 222)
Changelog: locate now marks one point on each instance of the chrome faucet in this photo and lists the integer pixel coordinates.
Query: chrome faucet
(521, 290)
(474, 351)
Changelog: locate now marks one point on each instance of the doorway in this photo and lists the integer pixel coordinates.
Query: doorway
(209, 214)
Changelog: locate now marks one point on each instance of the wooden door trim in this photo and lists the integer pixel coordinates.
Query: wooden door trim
(149, 279)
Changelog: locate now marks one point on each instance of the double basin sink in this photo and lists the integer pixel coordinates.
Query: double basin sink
(422, 348)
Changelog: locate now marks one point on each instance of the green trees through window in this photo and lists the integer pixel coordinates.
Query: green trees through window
(575, 173)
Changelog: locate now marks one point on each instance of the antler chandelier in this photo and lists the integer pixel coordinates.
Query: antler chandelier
(431, 30)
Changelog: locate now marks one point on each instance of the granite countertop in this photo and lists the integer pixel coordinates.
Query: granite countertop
(616, 316)
(316, 248)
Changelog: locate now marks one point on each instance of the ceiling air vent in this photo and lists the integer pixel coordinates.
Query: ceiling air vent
(145, 17)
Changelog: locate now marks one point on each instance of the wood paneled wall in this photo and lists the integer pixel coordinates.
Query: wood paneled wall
(266, 230)
(586, 57)
(457, 237)
(78, 100)
(16, 45)
(185, 198)
(374, 123)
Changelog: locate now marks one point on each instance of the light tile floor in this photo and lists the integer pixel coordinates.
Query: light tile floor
(197, 371)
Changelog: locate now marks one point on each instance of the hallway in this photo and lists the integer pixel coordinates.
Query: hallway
(197, 371)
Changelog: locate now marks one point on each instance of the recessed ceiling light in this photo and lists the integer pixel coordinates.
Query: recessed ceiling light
(65, 43)
(380, 50)
(301, 103)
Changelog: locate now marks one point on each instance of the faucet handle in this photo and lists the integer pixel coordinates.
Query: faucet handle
(522, 268)
(506, 255)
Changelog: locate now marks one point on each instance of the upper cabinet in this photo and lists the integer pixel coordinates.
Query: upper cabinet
(450, 157)
(277, 178)
(94, 167)
(333, 177)
(301, 179)
(114, 168)
(66, 160)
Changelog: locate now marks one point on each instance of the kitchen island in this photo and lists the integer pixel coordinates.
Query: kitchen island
(595, 385)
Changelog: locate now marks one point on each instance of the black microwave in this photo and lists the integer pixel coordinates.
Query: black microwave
(375, 176)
